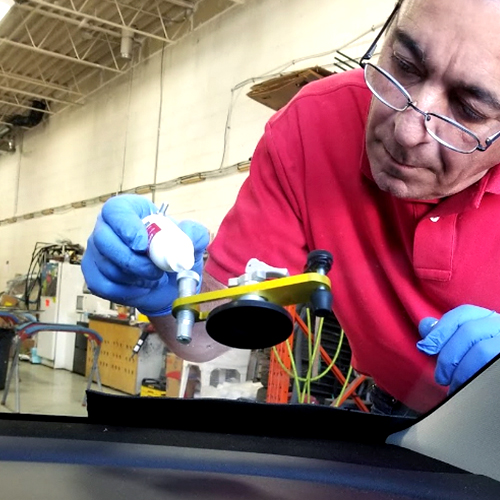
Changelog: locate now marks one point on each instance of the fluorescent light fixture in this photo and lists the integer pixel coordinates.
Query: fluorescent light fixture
(5, 6)
(243, 166)
(191, 179)
(143, 189)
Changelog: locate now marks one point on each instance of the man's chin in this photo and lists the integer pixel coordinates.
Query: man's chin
(402, 189)
(396, 187)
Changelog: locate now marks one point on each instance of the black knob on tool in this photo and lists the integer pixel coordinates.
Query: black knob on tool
(320, 261)
(322, 301)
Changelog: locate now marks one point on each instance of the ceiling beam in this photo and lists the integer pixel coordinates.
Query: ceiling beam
(38, 96)
(23, 106)
(76, 22)
(39, 83)
(8, 123)
(182, 3)
(57, 55)
(98, 20)
(132, 8)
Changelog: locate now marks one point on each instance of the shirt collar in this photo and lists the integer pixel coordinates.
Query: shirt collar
(468, 199)
(494, 180)
(471, 197)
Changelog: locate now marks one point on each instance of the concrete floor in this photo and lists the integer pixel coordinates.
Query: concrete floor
(46, 391)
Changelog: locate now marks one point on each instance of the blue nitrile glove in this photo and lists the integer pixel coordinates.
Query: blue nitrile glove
(465, 339)
(115, 264)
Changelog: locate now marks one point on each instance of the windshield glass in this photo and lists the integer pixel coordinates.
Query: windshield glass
(334, 210)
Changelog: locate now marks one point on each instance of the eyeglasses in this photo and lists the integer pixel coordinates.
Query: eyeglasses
(389, 91)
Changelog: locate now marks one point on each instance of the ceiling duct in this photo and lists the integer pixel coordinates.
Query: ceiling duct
(7, 138)
(7, 145)
(33, 118)
(5, 129)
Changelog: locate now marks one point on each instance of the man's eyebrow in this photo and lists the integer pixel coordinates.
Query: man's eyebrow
(409, 43)
(475, 91)
(481, 94)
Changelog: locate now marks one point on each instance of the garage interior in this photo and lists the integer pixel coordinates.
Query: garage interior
(165, 99)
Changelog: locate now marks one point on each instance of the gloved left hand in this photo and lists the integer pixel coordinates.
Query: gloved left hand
(465, 339)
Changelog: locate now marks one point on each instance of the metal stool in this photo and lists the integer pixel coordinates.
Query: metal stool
(26, 329)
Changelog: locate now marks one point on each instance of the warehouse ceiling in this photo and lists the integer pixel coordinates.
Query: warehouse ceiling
(55, 53)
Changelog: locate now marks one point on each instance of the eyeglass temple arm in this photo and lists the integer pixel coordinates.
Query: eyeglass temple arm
(490, 140)
(371, 50)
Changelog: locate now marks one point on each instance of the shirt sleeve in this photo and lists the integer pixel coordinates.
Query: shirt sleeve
(265, 221)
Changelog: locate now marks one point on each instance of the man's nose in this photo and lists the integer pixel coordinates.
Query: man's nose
(409, 128)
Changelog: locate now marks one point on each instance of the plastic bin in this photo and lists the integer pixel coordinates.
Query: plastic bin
(6, 336)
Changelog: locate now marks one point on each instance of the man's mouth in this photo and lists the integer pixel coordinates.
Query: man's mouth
(400, 161)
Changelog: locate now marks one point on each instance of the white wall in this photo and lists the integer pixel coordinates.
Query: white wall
(110, 143)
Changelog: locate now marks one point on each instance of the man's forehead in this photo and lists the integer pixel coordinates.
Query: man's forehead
(457, 39)
(493, 6)
(458, 27)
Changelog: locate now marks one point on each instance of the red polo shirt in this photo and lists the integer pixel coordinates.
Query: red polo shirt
(395, 261)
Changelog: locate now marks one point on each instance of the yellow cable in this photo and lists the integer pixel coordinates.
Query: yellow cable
(312, 353)
(278, 358)
(344, 387)
(307, 385)
(294, 374)
(309, 337)
(294, 367)
(318, 377)
(317, 343)
(334, 360)
(312, 356)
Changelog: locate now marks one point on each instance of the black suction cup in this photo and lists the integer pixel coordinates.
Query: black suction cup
(249, 324)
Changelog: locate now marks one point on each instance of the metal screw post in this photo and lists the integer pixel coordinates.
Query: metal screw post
(187, 283)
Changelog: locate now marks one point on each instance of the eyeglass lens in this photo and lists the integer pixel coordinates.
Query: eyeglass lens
(388, 92)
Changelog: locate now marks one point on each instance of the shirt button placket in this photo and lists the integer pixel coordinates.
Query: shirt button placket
(433, 247)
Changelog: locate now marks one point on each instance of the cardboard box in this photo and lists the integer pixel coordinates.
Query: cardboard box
(27, 345)
(277, 92)
(8, 300)
(173, 372)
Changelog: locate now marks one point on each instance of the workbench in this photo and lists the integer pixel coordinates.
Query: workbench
(117, 368)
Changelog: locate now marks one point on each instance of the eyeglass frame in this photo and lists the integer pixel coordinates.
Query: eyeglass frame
(363, 62)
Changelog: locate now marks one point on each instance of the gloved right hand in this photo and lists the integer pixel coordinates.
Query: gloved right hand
(465, 339)
(116, 266)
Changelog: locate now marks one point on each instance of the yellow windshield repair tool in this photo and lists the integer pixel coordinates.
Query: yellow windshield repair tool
(254, 316)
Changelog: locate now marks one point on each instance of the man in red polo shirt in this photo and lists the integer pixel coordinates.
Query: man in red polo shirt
(393, 169)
